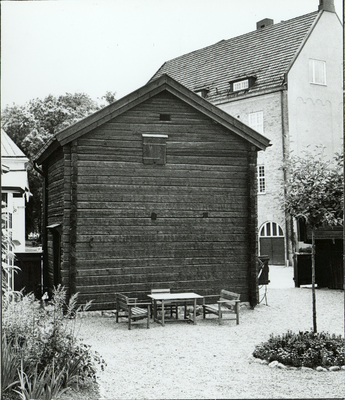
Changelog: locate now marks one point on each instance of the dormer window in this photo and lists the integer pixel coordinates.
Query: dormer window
(202, 92)
(242, 84)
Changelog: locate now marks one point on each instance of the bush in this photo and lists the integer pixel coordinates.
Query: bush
(303, 349)
(41, 343)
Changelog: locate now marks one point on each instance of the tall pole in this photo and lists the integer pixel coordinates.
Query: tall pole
(313, 278)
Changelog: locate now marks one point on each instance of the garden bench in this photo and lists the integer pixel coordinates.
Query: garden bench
(228, 303)
(131, 309)
(173, 307)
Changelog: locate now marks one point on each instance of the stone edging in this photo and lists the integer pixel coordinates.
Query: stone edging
(277, 364)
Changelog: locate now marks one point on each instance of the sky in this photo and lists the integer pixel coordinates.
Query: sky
(67, 46)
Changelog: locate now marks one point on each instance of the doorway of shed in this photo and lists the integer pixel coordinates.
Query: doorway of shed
(272, 243)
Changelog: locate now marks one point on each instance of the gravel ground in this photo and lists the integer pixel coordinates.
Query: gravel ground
(203, 361)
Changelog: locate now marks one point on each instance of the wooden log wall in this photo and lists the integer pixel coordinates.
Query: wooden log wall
(182, 225)
(55, 210)
(253, 292)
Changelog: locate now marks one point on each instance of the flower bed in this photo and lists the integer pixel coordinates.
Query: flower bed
(303, 349)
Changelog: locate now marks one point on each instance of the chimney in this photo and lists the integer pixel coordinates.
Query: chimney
(327, 5)
(265, 22)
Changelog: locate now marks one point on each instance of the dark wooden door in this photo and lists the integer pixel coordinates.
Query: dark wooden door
(274, 248)
(329, 263)
(28, 277)
(272, 243)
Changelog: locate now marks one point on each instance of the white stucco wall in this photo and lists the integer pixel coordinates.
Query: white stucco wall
(316, 111)
(269, 208)
(16, 207)
(15, 181)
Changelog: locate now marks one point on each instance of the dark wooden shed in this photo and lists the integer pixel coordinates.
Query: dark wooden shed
(155, 190)
(329, 260)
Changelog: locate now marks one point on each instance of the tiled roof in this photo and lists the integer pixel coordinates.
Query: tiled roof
(9, 148)
(265, 54)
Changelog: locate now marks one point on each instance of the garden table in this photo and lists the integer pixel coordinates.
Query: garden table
(176, 298)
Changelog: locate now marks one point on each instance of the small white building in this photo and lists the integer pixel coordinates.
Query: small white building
(14, 190)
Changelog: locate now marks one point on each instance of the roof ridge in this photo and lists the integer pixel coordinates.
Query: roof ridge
(264, 53)
(274, 25)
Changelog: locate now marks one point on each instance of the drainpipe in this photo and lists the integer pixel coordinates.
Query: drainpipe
(36, 168)
(285, 149)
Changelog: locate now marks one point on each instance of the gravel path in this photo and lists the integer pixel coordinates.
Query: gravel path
(203, 361)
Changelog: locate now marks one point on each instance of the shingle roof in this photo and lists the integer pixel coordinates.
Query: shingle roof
(265, 54)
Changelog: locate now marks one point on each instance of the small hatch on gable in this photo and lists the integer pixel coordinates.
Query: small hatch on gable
(164, 117)
(154, 149)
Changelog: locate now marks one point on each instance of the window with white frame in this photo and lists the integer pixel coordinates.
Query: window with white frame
(271, 229)
(261, 179)
(256, 121)
(317, 72)
(241, 85)
(8, 260)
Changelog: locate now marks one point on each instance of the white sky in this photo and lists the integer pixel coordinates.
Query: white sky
(54, 47)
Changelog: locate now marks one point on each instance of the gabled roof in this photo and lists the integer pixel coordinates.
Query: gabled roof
(14, 174)
(9, 149)
(265, 54)
(163, 83)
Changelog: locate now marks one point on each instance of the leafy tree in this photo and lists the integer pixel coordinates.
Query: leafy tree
(109, 97)
(314, 192)
(30, 126)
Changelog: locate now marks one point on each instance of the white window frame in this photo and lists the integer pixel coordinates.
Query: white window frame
(7, 217)
(317, 72)
(256, 121)
(261, 179)
(275, 230)
(240, 85)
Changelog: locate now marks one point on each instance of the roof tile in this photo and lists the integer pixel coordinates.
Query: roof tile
(265, 53)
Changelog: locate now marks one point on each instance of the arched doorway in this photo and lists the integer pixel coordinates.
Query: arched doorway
(272, 243)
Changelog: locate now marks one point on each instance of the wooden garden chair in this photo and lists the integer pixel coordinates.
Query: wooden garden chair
(227, 303)
(133, 310)
(173, 307)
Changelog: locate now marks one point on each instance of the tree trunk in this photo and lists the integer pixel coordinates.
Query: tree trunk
(313, 278)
